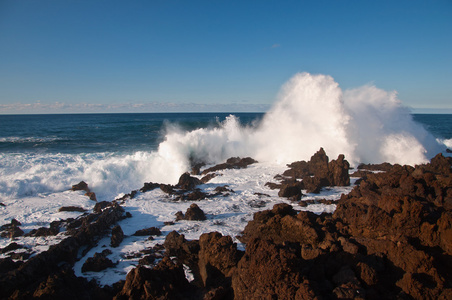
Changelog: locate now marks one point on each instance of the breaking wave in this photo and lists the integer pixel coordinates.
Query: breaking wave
(366, 124)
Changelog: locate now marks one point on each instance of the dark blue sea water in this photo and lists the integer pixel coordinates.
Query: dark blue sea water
(90, 133)
(127, 133)
(440, 125)
(118, 152)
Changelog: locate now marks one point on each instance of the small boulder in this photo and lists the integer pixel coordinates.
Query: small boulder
(98, 262)
(72, 208)
(193, 213)
(148, 231)
(81, 186)
(117, 235)
(187, 182)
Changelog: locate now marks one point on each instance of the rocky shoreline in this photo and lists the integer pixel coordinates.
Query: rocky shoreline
(389, 238)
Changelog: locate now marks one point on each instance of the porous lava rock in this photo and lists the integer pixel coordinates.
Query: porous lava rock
(388, 239)
(98, 262)
(117, 236)
(81, 186)
(193, 213)
(71, 209)
(218, 257)
(318, 172)
(291, 191)
(53, 229)
(49, 274)
(148, 231)
(187, 182)
(231, 163)
(165, 281)
(11, 230)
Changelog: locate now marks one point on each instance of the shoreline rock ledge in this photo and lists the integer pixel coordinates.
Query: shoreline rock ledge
(390, 238)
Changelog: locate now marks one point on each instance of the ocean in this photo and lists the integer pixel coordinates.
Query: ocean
(42, 156)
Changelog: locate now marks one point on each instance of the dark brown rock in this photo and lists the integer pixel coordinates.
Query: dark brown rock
(267, 271)
(291, 191)
(11, 247)
(187, 182)
(53, 229)
(231, 163)
(11, 230)
(98, 262)
(193, 213)
(148, 231)
(23, 281)
(81, 186)
(117, 235)
(149, 186)
(100, 206)
(72, 208)
(339, 168)
(91, 196)
(208, 177)
(165, 281)
(218, 258)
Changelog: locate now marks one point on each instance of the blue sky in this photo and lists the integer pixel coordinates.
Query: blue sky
(145, 56)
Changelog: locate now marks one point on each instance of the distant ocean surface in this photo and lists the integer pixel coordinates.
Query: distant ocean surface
(95, 133)
(128, 133)
(118, 152)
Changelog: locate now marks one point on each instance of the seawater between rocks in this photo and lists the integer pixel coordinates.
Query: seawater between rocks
(42, 156)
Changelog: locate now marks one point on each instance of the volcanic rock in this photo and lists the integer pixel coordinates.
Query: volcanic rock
(148, 231)
(117, 235)
(81, 186)
(53, 229)
(187, 182)
(281, 224)
(194, 196)
(100, 206)
(148, 186)
(318, 172)
(291, 191)
(165, 281)
(269, 271)
(11, 247)
(91, 196)
(208, 177)
(72, 208)
(11, 230)
(22, 282)
(193, 213)
(98, 262)
(231, 163)
(218, 258)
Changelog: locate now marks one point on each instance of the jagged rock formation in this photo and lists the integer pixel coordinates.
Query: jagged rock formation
(390, 238)
(318, 172)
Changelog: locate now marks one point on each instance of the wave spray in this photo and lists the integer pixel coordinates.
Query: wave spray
(366, 124)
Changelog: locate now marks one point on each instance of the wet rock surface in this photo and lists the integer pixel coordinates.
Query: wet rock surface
(193, 213)
(389, 238)
(312, 176)
(49, 274)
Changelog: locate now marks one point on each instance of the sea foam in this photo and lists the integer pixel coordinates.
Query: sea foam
(365, 124)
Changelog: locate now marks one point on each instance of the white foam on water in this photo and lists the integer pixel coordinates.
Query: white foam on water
(225, 214)
(366, 124)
